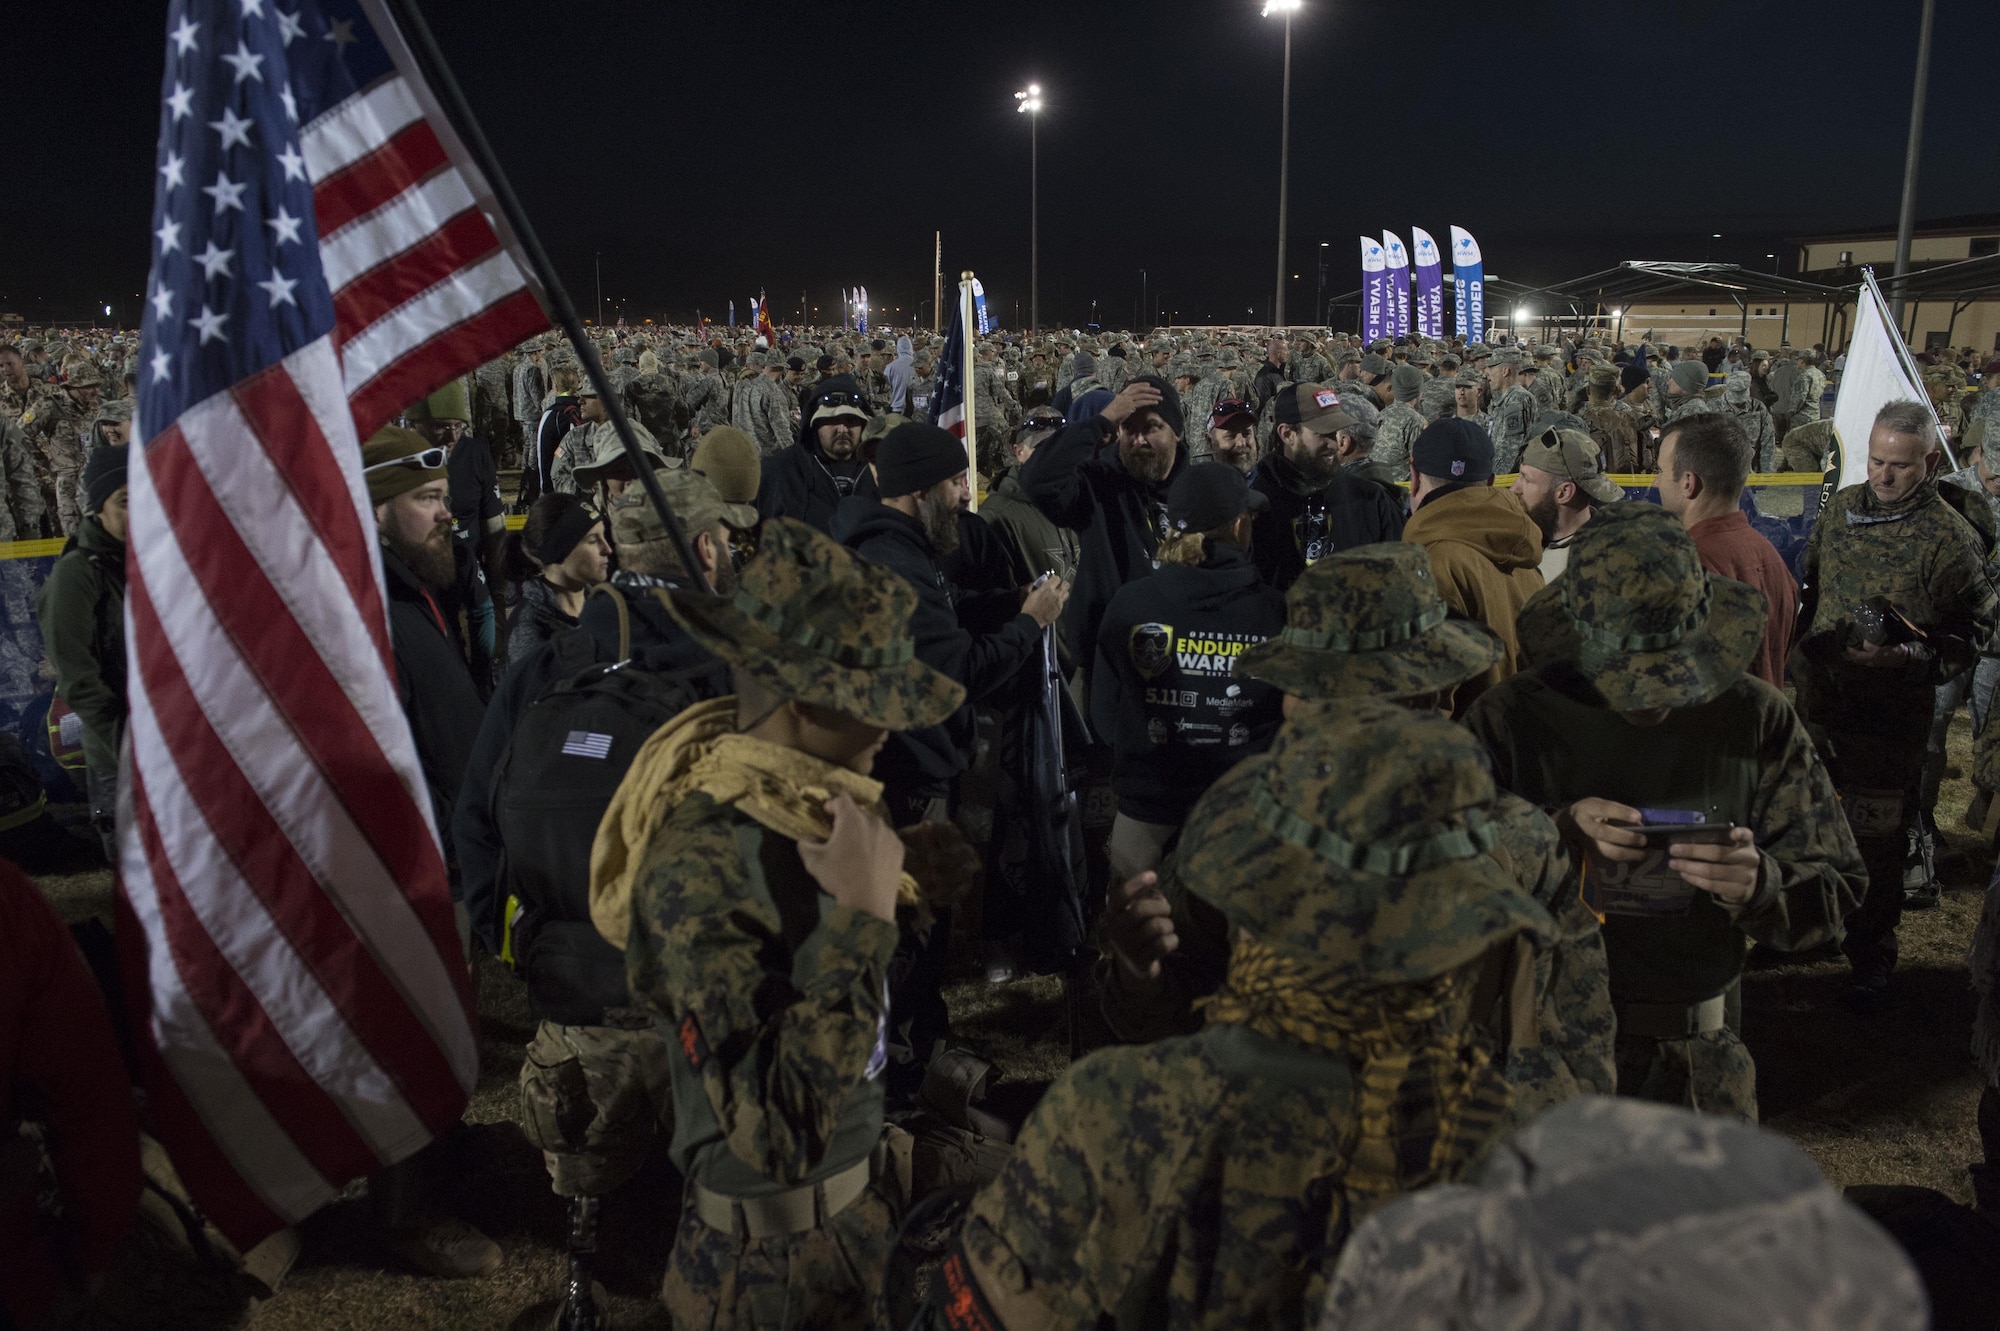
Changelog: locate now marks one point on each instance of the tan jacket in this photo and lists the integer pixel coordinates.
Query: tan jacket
(1485, 551)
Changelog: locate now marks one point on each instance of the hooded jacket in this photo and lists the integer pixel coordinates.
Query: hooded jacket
(1163, 695)
(1078, 481)
(658, 644)
(801, 482)
(920, 762)
(899, 372)
(82, 613)
(1486, 555)
(1304, 525)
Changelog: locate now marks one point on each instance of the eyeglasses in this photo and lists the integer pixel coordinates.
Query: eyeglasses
(431, 459)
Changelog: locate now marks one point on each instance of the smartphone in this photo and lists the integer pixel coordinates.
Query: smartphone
(1662, 834)
(1039, 581)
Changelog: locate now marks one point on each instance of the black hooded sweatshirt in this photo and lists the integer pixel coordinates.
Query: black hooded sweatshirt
(922, 762)
(1078, 481)
(1304, 525)
(1163, 695)
(802, 482)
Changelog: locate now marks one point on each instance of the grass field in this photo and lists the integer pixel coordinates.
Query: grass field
(1888, 1099)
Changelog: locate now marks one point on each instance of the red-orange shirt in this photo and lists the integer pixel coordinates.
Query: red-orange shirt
(1731, 547)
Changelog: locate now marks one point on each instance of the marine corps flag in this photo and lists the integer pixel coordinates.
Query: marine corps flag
(764, 319)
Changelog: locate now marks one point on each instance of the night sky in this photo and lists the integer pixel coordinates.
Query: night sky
(706, 150)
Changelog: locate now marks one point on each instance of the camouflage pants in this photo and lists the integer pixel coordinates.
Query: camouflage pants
(595, 1099)
(1879, 778)
(1711, 1073)
(826, 1279)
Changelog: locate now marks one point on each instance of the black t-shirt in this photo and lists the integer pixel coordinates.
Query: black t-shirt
(475, 489)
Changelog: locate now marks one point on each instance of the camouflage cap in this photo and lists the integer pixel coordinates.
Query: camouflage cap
(612, 463)
(1505, 356)
(694, 500)
(1349, 356)
(1227, 358)
(1448, 363)
(1736, 388)
(814, 622)
(81, 374)
(1421, 356)
(1639, 617)
(114, 412)
(1369, 623)
(1603, 375)
(1619, 1215)
(1468, 378)
(1572, 456)
(1359, 842)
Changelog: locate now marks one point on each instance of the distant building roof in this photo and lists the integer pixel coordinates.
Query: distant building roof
(1969, 224)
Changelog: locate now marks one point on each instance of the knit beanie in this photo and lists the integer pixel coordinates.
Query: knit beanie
(103, 475)
(384, 467)
(915, 456)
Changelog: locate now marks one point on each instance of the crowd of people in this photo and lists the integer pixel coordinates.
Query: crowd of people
(1400, 836)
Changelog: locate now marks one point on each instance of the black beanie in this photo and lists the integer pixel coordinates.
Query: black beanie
(103, 475)
(1169, 405)
(1632, 376)
(915, 456)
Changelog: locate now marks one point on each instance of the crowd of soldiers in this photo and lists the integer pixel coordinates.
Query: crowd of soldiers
(1399, 838)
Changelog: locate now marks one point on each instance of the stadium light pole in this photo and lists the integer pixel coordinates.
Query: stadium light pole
(1906, 219)
(1028, 102)
(1287, 8)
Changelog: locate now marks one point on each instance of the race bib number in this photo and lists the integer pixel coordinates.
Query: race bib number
(1647, 887)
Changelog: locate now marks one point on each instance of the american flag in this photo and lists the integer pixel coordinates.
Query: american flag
(320, 258)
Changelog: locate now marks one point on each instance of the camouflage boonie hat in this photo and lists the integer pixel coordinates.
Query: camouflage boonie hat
(611, 461)
(82, 374)
(1639, 617)
(1619, 1215)
(694, 500)
(1359, 843)
(1227, 358)
(115, 412)
(1369, 623)
(816, 623)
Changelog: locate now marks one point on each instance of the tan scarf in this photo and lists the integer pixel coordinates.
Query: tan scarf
(1419, 1076)
(700, 751)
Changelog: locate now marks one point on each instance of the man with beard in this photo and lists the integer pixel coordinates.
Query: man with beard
(1561, 483)
(1232, 434)
(921, 473)
(808, 480)
(1115, 500)
(1316, 507)
(405, 474)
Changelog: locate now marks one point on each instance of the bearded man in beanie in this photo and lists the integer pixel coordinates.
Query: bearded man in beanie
(82, 614)
(1210, 1180)
(406, 479)
(746, 868)
(823, 466)
(478, 514)
(1634, 714)
(1115, 500)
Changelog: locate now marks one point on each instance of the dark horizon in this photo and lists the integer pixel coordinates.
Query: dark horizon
(707, 154)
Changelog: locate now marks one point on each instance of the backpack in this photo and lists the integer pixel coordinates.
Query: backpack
(565, 760)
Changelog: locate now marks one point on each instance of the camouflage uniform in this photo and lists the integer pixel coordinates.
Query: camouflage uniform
(1206, 1181)
(22, 511)
(57, 427)
(1400, 426)
(1755, 418)
(1510, 416)
(1616, 428)
(1437, 400)
(1812, 388)
(1805, 448)
(1872, 723)
(706, 395)
(773, 996)
(1729, 749)
(595, 1099)
(761, 411)
(1198, 403)
(1605, 1215)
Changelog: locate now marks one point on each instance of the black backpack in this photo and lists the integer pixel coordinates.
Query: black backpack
(564, 761)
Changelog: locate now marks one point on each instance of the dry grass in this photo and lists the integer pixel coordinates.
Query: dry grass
(1882, 1100)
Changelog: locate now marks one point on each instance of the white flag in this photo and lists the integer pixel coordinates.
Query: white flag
(1879, 371)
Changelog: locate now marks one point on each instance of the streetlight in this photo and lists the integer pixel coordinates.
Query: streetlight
(1287, 8)
(1319, 294)
(1028, 102)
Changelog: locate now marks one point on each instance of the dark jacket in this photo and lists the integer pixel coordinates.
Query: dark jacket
(799, 482)
(1077, 480)
(436, 689)
(658, 644)
(1163, 695)
(82, 614)
(1304, 525)
(533, 619)
(987, 592)
(922, 761)
(1033, 545)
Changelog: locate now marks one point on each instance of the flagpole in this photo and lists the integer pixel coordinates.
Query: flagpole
(451, 98)
(965, 321)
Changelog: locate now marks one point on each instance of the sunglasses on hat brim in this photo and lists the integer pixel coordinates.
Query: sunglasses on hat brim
(430, 459)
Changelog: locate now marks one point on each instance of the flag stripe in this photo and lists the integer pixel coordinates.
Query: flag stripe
(392, 228)
(358, 126)
(367, 184)
(471, 342)
(375, 295)
(234, 1013)
(296, 447)
(328, 1000)
(283, 738)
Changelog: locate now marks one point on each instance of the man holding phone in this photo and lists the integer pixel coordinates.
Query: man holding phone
(1686, 787)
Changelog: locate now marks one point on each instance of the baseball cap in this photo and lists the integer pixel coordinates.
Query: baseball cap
(694, 500)
(1229, 410)
(1570, 455)
(1454, 448)
(1315, 406)
(1374, 364)
(1209, 494)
